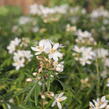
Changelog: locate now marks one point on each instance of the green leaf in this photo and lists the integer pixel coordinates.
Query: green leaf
(37, 91)
(31, 91)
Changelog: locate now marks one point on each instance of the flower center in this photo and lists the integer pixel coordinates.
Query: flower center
(40, 48)
(52, 50)
(59, 100)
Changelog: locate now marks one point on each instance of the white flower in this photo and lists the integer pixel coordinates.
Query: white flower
(100, 12)
(25, 42)
(18, 63)
(19, 54)
(80, 33)
(49, 48)
(104, 73)
(84, 55)
(35, 9)
(24, 20)
(45, 11)
(28, 79)
(107, 82)
(84, 37)
(13, 44)
(59, 66)
(62, 9)
(44, 46)
(16, 41)
(54, 53)
(20, 57)
(35, 29)
(59, 98)
(11, 48)
(99, 103)
(106, 62)
(23, 54)
(70, 28)
(27, 54)
(101, 53)
(15, 28)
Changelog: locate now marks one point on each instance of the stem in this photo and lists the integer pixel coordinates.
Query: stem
(42, 104)
(98, 79)
(4, 106)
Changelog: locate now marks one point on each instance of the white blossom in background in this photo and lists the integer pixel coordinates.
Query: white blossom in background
(107, 82)
(74, 19)
(13, 44)
(15, 28)
(80, 33)
(84, 37)
(45, 11)
(24, 42)
(105, 21)
(85, 55)
(101, 53)
(62, 9)
(106, 62)
(99, 103)
(58, 99)
(20, 57)
(104, 73)
(35, 29)
(24, 20)
(35, 9)
(70, 28)
(100, 12)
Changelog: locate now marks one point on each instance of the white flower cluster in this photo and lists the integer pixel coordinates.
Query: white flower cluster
(13, 44)
(23, 20)
(52, 50)
(84, 55)
(59, 98)
(84, 37)
(100, 12)
(99, 103)
(45, 11)
(20, 57)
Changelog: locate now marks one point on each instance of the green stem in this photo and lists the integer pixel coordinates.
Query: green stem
(98, 79)
(42, 104)
(4, 106)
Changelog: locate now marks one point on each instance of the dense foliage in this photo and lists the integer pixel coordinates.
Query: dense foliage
(54, 57)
